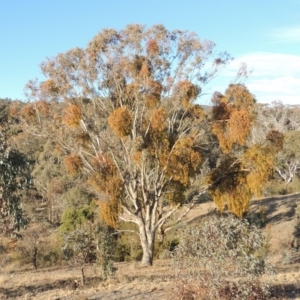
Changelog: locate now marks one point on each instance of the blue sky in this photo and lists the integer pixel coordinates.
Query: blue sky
(265, 34)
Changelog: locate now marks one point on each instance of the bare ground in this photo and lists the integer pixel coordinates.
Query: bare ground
(157, 282)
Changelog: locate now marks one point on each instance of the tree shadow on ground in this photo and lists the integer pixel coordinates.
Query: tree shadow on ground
(68, 284)
(287, 291)
(277, 208)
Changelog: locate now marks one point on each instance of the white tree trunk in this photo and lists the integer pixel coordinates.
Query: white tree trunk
(147, 237)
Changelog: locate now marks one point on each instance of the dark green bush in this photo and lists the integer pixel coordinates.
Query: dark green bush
(257, 217)
(51, 258)
(128, 244)
(76, 216)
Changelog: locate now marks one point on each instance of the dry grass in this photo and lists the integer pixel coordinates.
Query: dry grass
(132, 281)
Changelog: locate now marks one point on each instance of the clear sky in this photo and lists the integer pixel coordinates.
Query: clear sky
(265, 34)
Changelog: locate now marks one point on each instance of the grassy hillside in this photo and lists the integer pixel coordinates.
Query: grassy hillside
(134, 282)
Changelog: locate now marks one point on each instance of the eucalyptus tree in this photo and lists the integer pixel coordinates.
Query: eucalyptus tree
(14, 177)
(124, 110)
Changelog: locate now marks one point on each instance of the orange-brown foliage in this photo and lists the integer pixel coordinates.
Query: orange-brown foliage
(152, 47)
(186, 92)
(196, 112)
(151, 100)
(157, 142)
(221, 111)
(239, 96)
(229, 187)
(276, 139)
(260, 162)
(240, 125)
(109, 212)
(72, 115)
(232, 115)
(43, 107)
(121, 121)
(28, 112)
(152, 97)
(83, 139)
(49, 86)
(158, 119)
(234, 182)
(221, 131)
(73, 163)
(14, 109)
(183, 161)
(144, 72)
(237, 199)
(107, 182)
(137, 156)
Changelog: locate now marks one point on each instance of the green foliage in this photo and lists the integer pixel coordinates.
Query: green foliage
(54, 185)
(76, 216)
(51, 258)
(128, 246)
(296, 232)
(4, 109)
(122, 252)
(14, 177)
(257, 217)
(275, 187)
(89, 243)
(106, 243)
(165, 249)
(79, 245)
(221, 258)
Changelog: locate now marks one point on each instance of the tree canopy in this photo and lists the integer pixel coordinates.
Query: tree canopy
(14, 176)
(124, 110)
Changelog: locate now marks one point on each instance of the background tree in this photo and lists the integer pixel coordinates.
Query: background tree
(32, 245)
(288, 160)
(124, 110)
(14, 177)
(54, 188)
(89, 243)
(284, 119)
(57, 188)
(79, 248)
(279, 117)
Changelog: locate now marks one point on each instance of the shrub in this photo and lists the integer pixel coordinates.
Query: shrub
(89, 243)
(32, 247)
(295, 244)
(76, 216)
(220, 259)
(257, 217)
(165, 249)
(128, 245)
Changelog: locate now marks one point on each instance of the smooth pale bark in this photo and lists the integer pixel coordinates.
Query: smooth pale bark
(138, 149)
(147, 238)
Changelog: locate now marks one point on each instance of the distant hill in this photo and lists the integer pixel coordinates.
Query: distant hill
(206, 108)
